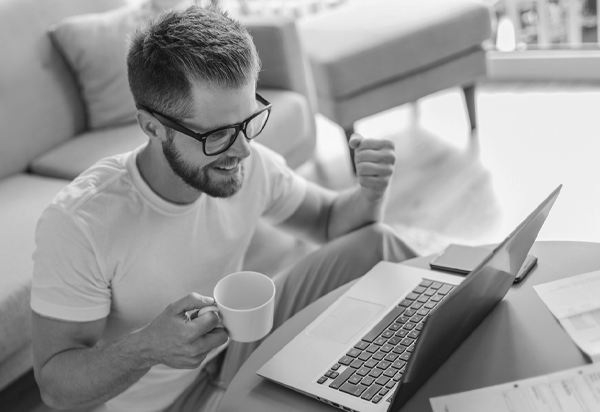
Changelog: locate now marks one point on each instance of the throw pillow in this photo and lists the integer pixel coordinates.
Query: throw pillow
(95, 48)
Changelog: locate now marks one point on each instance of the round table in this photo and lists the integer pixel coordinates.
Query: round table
(519, 339)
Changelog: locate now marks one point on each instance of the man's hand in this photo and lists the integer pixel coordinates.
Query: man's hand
(74, 371)
(374, 160)
(175, 341)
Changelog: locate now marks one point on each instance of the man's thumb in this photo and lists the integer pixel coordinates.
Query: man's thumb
(354, 141)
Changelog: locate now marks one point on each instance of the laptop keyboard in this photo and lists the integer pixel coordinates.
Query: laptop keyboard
(374, 366)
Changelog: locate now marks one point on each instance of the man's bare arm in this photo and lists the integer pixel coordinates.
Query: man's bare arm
(324, 215)
(73, 370)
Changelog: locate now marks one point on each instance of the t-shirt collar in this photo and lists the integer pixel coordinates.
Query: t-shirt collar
(150, 195)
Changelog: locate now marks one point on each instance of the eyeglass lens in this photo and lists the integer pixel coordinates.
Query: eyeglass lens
(222, 139)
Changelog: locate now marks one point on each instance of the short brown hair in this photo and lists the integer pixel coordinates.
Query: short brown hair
(180, 47)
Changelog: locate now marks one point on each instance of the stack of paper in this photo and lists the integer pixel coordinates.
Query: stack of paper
(574, 390)
(575, 302)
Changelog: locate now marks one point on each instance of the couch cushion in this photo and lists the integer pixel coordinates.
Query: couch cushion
(290, 113)
(95, 47)
(39, 103)
(348, 109)
(290, 130)
(366, 43)
(23, 197)
(69, 159)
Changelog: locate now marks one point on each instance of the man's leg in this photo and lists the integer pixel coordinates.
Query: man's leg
(331, 266)
(201, 395)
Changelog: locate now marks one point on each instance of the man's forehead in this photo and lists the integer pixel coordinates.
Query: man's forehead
(218, 106)
(203, 93)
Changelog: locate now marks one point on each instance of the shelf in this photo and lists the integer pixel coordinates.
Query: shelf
(544, 65)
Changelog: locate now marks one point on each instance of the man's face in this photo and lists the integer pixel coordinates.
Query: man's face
(221, 175)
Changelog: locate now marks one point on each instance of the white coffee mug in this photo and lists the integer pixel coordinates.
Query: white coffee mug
(246, 302)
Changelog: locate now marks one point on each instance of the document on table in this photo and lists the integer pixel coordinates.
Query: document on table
(573, 390)
(575, 302)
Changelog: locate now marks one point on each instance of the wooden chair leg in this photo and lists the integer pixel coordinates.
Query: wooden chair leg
(349, 132)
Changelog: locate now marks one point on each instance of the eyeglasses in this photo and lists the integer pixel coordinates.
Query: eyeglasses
(219, 140)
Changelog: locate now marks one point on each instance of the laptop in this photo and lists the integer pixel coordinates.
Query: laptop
(374, 347)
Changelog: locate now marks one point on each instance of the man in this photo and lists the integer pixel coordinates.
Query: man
(141, 238)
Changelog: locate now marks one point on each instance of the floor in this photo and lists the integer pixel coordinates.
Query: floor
(446, 189)
(531, 138)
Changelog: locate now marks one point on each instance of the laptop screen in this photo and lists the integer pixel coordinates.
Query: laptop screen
(449, 324)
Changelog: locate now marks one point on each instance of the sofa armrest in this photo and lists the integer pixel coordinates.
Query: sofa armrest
(284, 63)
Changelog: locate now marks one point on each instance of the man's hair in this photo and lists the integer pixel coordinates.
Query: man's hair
(182, 47)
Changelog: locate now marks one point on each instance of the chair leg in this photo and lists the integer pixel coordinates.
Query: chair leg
(469, 92)
(349, 131)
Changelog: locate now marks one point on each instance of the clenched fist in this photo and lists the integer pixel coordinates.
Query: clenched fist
(374, 160)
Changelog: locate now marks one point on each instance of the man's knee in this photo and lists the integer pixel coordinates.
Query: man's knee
(385, 242)
(378, 230)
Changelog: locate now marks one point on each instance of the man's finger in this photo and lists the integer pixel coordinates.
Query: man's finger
(191, 302)
(375, 156)
(374, 169)
(207, 322)
(205, 325)
(371, 182)
(375, 144)
(213, 338)
(195, 313)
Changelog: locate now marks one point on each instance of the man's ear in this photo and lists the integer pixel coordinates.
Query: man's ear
(151, 126)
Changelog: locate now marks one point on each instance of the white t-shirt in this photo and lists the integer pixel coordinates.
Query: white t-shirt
(108, 246)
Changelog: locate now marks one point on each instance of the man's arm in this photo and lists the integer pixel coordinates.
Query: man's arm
(73, 370)
(324, 215)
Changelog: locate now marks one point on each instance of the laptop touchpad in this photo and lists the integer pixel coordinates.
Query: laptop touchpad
(348, 317)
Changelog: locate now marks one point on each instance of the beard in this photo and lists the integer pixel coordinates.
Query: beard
(199, 177)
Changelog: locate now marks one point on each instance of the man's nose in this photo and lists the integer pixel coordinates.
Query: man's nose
(241, 146)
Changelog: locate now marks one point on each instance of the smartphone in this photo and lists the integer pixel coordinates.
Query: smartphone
(530, 262)
(462, 260)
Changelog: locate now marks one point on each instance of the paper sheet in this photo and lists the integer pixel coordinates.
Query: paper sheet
(575, 302)
(573, 390)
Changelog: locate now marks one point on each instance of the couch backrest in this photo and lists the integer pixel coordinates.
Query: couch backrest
(39, 101)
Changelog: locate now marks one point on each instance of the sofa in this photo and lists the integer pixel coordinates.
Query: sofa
(53, 128)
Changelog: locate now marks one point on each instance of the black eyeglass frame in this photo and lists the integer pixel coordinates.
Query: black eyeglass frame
(201, 137)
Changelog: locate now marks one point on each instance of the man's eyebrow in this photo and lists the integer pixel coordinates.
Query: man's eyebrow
(202, 129)
(188, 123)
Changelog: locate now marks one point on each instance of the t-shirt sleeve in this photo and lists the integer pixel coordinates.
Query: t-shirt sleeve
(285, 188)
(68, 282)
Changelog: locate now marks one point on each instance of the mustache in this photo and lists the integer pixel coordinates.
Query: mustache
(227, 162)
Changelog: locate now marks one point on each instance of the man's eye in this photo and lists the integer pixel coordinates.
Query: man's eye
(221, 134)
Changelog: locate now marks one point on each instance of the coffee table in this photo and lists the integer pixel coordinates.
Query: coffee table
(519, 339)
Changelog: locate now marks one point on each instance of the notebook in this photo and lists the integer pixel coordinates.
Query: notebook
(374, 347)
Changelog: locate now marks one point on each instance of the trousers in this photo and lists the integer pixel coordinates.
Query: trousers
(320, 272)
